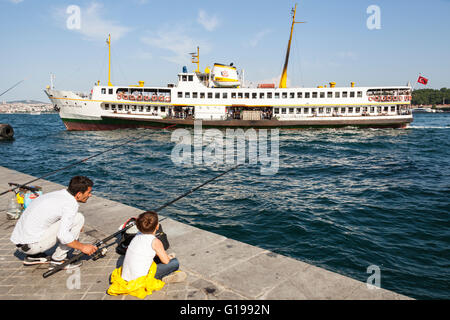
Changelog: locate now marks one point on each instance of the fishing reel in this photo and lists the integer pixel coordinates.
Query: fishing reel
(100, 253)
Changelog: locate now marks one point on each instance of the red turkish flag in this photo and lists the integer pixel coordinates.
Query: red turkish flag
(422, 80)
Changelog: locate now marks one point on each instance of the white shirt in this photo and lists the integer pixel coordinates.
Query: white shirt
(139, 257)
(42, 213)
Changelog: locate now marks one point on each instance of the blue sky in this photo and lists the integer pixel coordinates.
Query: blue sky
(151, 41)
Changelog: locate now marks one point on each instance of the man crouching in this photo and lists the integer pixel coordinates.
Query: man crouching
(51, 218)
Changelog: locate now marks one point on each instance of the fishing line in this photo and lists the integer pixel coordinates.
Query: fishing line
(12, 87)
(103, 241)
(72, 164)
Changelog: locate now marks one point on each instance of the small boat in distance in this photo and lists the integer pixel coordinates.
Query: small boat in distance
(218, 97)
(423, 110)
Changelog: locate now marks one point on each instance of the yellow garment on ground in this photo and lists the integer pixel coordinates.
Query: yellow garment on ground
(140, 287)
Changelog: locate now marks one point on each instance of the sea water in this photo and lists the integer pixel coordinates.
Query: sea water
(342, 199)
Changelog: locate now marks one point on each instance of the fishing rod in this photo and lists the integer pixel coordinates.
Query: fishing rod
(13, 87)
(131, 224)
(69, 166)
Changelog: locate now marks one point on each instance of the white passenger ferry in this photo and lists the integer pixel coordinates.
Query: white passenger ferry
(218, 97)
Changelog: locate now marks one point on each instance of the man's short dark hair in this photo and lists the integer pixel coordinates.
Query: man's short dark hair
(79, 184)
(147, 222)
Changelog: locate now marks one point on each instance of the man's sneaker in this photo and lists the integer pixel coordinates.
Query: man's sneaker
(73, 265)
(177, 276)
(39, 258)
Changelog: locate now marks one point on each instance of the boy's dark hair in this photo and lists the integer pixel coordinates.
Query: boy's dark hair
(147, 222)
(79, 184)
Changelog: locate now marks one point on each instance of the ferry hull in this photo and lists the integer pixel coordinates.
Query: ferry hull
(112, 123)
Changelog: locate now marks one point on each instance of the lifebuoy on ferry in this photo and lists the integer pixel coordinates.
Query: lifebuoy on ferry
(377, 98)
(161, 98)
(400, 98)
(383, 98)
(167, 99)
(119, 96)
(395, 98)
(370, 98)
(139, 97)
(388, 98)
(125, 97)
(146, 98)
(154, 98)
(132, 97)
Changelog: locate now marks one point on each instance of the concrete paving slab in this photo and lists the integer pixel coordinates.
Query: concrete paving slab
(218, 268)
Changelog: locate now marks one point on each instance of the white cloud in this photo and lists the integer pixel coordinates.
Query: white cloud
(93, 25)
(207, 21)
(258, 37)
(15, 1)
(177, 41)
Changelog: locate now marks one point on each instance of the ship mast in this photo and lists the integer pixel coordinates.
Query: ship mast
(196, 59)
(108, 41)
(284, 74)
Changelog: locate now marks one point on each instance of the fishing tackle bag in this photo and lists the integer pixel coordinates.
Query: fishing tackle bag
(128, 235)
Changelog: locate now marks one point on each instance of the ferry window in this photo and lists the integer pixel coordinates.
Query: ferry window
(291, 110)
(163, 109)
(254, 95)
(194, 94)
(372, 109)
(224, 95)
(276, 111)
(283, 110)
(127, 108)
(106, 106)
(393, 109)
(352, 94)
(314, 94)
(307, 95)
(156, 108)
(141, 108)
(147, 109)
(103, 91)
(202, 95)
(329, 94)
(119, 107)
(133, 108)
(336, 110)
(386, 109)
(277, 96)
(191, 78)
(187, 94)
(247, 95)
(358, 110)
(342, 110)
(284, 95)
(217, 95)
(299, 110)
(328, 110)
(233, 95)
(110, 91)
(299, 95)
(184, 78)
(359, 94)
(209, 95)
(240, 95)
(180, 94)
(337, 94)
(261, 95)
(350, 109)
(344, 94)
(113, 107)
(292, 95)
(306, 111)
(322, 94)
(269, 95)
(321, 110)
